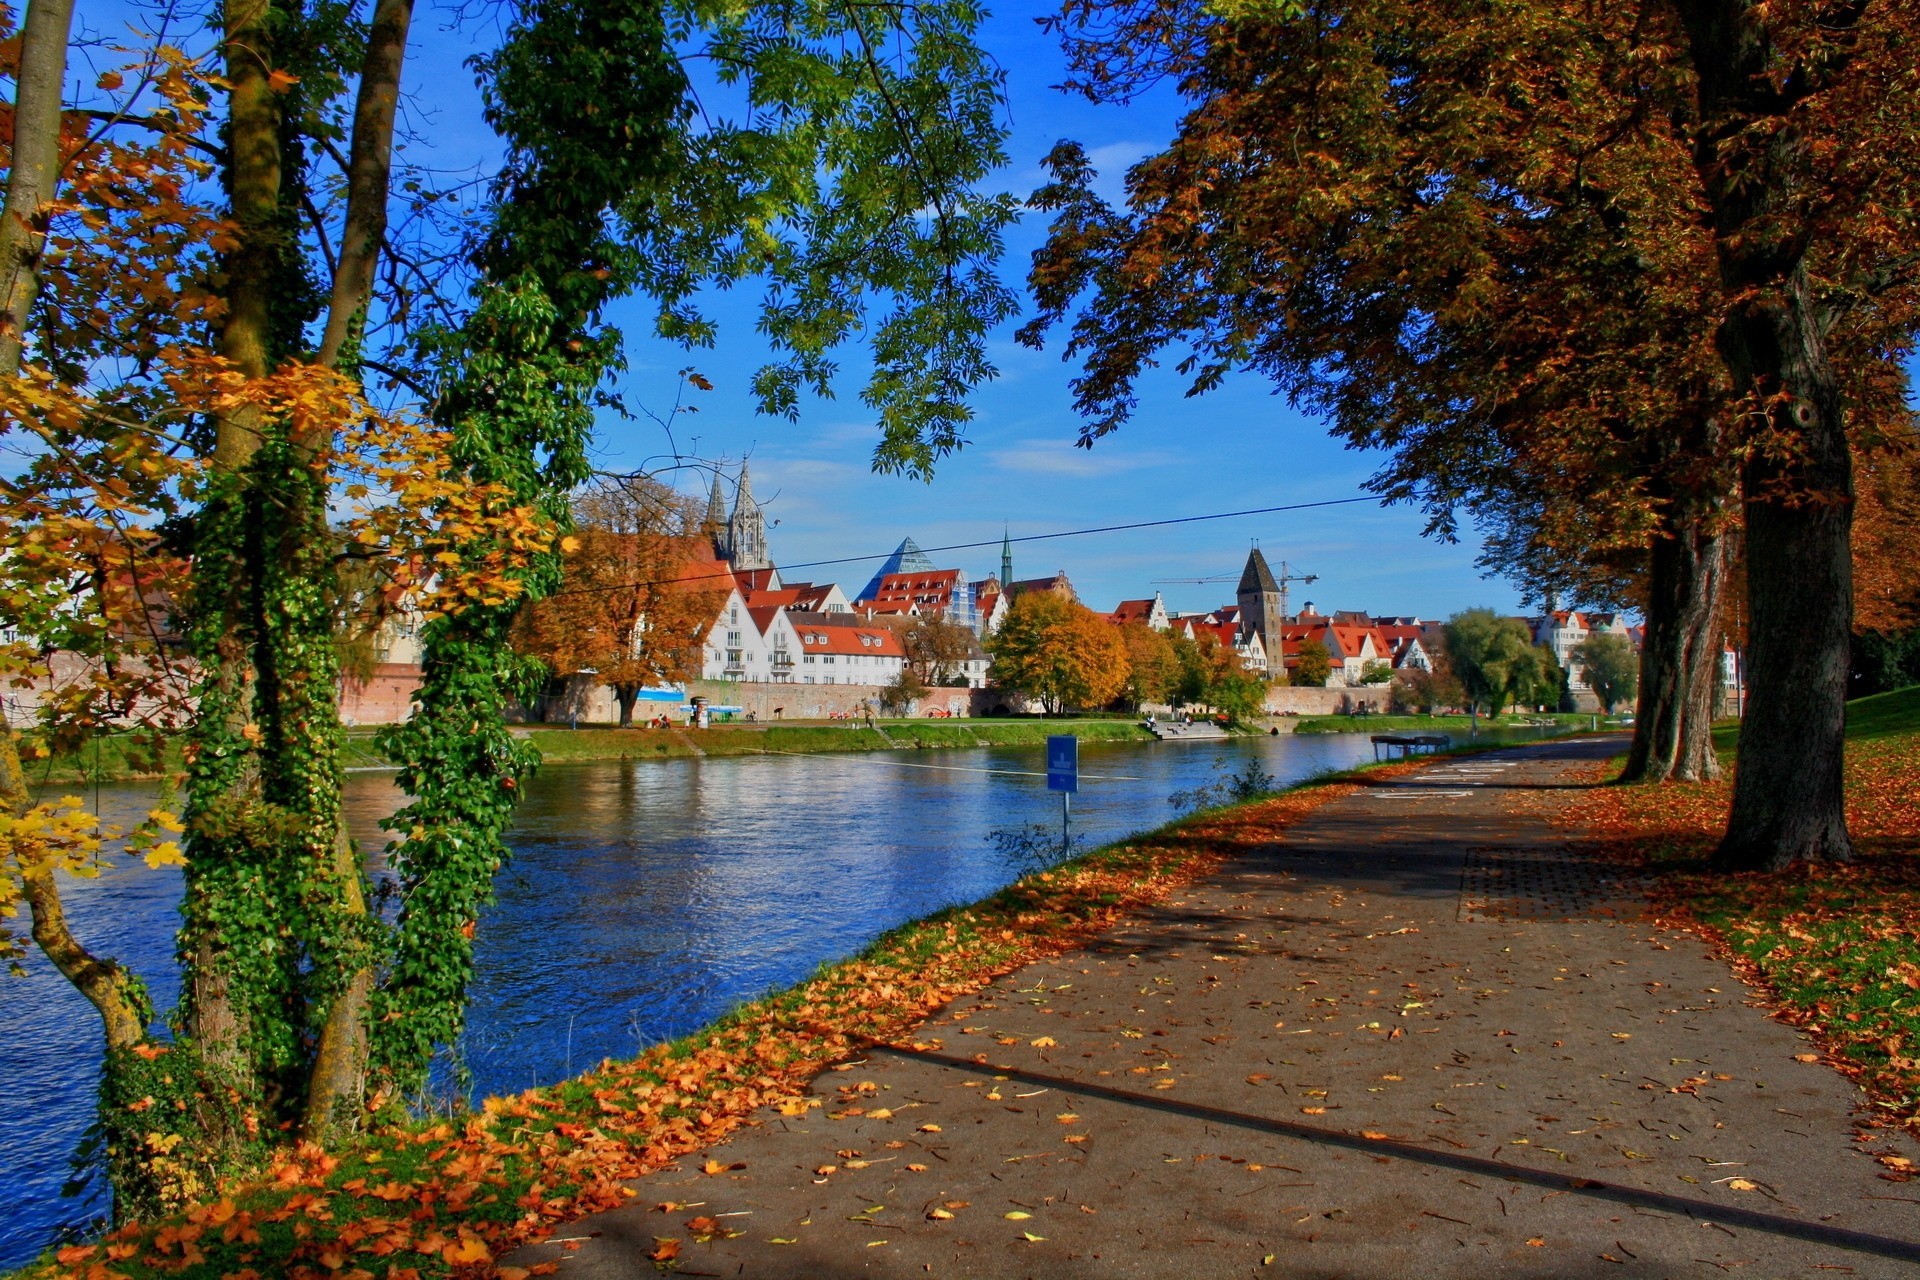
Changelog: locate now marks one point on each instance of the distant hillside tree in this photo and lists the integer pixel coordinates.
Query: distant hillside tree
(1612, 667)
(1060, 652)
(630, 612)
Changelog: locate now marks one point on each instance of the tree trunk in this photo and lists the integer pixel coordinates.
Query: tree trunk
(626, 695)
(1789, 800)
(1679, 659)
(225, 778)
(1753, 160)
(368, 164)
(336, 1087)
(36, 165)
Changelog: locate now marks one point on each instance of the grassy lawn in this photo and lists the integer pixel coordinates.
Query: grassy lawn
(1449, 724)
(1838, 947)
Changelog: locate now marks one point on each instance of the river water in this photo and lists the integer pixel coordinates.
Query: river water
(644, 899)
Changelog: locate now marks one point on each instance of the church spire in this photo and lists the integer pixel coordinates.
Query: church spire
(1006, 558)
(747, 528)
(716, 502)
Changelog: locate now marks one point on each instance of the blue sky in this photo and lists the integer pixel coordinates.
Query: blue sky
(1237, 448)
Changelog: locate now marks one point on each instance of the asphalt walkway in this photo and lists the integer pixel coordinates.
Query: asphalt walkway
(1421, 1036)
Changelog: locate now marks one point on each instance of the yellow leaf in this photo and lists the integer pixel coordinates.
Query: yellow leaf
(280, 81)
(166, 854)
(1017, 1216)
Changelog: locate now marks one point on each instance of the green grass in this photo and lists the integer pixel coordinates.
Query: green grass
(1885, 715)
(564, 746)
(1440, 724)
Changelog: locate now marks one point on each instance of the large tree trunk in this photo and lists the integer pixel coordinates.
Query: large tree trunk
(1789, 801)
(626, 695)
(222, 871)
(36, 164)
(1679, 659)
(1752, 157)
(337, 1085)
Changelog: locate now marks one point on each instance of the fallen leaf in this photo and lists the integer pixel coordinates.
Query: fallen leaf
(1742, 1184)
(1537, 1241)
(929, 1128)
(1017, 1216)
(1043, 1042)
(1806, 1057)
(712, 1167)
(664, 1250)
(939, 1215)
(1313, 1111)
(1030, 1236)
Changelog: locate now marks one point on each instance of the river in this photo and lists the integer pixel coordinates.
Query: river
(644, 899)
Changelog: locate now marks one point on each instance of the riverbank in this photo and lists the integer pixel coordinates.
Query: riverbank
(579, 1139)
(561, 746)
(122, 758)
(1833, 946)
(1457, 727)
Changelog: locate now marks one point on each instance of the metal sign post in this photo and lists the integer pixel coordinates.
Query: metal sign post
(1063, 775)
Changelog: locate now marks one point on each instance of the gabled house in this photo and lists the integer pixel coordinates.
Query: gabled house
(836, 649)
(1152, 612)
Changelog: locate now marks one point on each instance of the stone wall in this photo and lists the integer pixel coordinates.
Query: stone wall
(593, 702)
(1305, 700)
(386, 697)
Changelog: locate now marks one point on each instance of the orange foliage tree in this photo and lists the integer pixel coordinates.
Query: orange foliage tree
(1596, 269)
(640, 592)
(1059, 651)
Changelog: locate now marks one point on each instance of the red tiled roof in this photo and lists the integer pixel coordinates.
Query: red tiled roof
(819, 637)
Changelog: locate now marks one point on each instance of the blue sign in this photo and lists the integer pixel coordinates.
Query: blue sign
(1063, 762)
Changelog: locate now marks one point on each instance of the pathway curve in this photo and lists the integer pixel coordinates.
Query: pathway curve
(1423, 1035)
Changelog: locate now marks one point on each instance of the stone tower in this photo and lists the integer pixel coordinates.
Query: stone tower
(1259, 599)
(747, 529)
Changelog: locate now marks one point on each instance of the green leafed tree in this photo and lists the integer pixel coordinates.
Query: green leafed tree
(1492, 657)
(1611, 666)
(1313, 665)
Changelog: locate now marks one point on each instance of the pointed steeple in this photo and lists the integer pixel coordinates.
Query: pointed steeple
(716, 502)
(1257, 577)
(743, 496)
(1006, 558)
(747, 528)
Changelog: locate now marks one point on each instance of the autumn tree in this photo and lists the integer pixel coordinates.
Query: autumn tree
(1059, 651)
(1628, 260)
(1612, 668)
(1153, 666)
(631, 610)
(228, 273)
(937, 650)
(1312, 665)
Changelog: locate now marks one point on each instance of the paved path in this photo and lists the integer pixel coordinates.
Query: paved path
(1420, 1037)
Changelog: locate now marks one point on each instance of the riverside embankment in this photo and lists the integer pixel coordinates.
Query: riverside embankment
(646, 898)
(124, 759)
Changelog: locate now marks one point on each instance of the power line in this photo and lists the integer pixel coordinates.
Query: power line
(994, 542)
